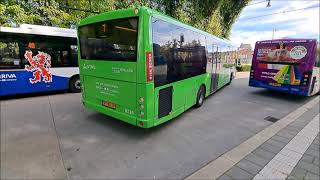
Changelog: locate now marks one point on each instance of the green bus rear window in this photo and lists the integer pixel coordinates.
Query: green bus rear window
(112, 40)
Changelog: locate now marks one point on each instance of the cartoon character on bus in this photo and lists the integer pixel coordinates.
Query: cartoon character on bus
(40, 66)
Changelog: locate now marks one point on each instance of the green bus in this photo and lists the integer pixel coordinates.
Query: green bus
(145, 68)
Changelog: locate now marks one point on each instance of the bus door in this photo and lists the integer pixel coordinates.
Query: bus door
(215, 69)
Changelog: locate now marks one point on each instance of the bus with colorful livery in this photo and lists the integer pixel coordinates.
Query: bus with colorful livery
(145, 68)
(37, 58)
(287, 65)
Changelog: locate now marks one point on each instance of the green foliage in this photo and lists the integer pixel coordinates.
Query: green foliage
(243, 68)
(228, 65)
(213, 16)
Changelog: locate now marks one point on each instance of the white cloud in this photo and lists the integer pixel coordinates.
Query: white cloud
(297, 24)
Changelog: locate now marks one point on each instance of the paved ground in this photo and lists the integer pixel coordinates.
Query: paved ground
(308, 166)
(53, 136)
(276, 154)
(240, 75)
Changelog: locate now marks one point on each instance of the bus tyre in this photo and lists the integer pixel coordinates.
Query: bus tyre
(200, 96)
(74, 84)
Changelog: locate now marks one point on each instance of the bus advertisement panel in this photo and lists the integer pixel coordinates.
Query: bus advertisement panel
(287, 65)
(145, 68)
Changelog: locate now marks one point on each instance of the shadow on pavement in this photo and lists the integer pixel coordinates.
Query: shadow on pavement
(131, 131)
(281, 95)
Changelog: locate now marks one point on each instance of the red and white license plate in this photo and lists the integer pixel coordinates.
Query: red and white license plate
(109, 104)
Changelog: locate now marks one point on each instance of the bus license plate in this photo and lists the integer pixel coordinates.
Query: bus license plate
(275, 84)
(109, 104)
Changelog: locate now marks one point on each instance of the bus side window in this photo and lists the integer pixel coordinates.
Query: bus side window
(74, 55)
(55, 58)
(161, 36)
(9, 55)
(179, 53)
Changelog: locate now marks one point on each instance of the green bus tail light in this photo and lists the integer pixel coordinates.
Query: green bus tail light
(149, 66)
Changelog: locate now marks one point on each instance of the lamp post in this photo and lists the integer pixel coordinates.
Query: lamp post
(269, 3)
(273, 31)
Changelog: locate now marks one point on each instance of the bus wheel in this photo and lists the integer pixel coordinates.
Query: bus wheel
(200, 96)
(74, 84)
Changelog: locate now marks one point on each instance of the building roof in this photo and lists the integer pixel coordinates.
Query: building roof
(246, 46)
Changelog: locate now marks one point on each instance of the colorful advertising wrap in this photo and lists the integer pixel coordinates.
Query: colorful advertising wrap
(283, 64)
(39, 66)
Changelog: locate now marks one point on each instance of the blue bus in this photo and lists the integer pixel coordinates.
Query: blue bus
(37, 58)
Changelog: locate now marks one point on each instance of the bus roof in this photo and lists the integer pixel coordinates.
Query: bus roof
(131, 12)
(175, 21)
(40, 30)
(286, 40)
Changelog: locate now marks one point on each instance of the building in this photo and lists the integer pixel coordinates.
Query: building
(245, 53)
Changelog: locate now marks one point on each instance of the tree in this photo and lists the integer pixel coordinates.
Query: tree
(213, 16)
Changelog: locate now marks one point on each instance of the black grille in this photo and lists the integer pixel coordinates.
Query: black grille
(271, 119)
(165, 102)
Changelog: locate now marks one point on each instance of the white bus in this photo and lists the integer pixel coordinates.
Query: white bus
(37, 58)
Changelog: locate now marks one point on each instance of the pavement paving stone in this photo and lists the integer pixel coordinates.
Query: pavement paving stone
(316, 161)
(271, 148)
(261, 161)
(277, 143)
(224, 177)
(292, 128)
(286, 134)
(309, 167)
(299, 173)
(249, 166)
(313, 152)
(307, 158)
(292, 178)
(280, 139)
(238, 173)
(311, 176)
(314, 146)
(298, 124)
(264, 153)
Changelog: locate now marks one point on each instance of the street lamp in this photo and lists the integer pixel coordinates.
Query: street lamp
(269, 3)
(273, 31)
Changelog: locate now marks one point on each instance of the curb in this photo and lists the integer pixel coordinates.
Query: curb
(219, 166)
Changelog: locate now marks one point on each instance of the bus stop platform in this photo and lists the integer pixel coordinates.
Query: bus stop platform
(287, 149)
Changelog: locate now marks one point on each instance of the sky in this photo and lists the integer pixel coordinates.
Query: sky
(297, 24)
